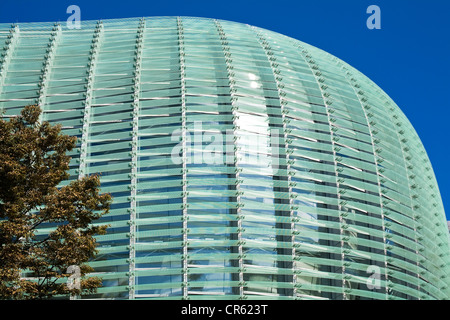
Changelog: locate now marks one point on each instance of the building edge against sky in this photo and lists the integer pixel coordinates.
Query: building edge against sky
(294, 175)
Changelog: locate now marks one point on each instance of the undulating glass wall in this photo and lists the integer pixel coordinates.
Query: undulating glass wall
(243, 164)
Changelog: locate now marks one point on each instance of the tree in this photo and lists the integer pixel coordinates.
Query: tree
(33, 162)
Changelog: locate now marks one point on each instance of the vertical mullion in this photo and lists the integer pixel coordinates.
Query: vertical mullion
(134, 157)
(87, 106)
(96, 40)
(326, 98)
(238, 181)
(283, 102)
(407, 165)
(43, 84)
(364, 106)
(11, 42)
(180, 32)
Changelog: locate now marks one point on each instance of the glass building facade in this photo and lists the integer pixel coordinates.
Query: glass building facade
(244, 164)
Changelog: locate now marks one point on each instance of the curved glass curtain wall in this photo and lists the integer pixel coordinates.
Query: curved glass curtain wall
(320, 180)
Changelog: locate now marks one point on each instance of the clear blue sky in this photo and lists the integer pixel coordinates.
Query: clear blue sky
(409, 57)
